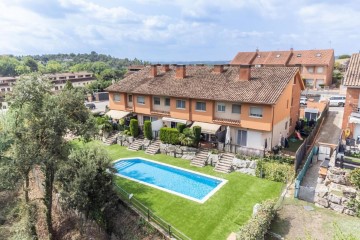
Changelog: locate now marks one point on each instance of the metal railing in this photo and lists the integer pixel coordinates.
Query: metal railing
(149, 216)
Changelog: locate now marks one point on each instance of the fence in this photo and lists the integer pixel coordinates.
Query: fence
(149, 216)
(301, 152)
(303, 171)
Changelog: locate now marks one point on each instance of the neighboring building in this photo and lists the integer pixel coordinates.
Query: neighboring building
(313, 109)
(77, 79)
(260, 105)
(316, 66)
(351, 119)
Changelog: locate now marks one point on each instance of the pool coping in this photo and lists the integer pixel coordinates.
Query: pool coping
(204, 199)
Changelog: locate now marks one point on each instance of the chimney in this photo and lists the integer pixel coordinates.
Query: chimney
(166, 67)
(153, 70)
(180, 71)
(244, 74)
(218, 68)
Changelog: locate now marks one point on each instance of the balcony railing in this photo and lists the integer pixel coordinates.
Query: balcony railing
(158, 112)
(226, 121)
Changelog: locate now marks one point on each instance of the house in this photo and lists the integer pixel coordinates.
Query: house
(316, 66)
(351, 119)
(259, 105)
(59, 80)
(313, 109)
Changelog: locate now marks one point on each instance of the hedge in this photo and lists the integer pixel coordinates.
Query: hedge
(197, 135)
(169, 135)
(274, 171)
(134, 127)
(180, 127)
(258, 225)
(147, 130)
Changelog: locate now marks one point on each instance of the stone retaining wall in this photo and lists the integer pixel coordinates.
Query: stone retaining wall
(335, 192)
(178, 151)
(246, 166)
(125, 140)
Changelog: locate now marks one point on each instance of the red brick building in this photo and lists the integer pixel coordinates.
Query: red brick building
(351, 118)
(316, 66)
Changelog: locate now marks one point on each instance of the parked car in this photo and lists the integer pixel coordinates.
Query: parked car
(90, 106)
(303, 101)
(337, 101)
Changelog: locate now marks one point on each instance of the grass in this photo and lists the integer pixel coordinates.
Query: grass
(223, 213)
(294, 146)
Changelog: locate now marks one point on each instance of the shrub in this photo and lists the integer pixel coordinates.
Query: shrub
(187, 137)
(134, 127)
(197, 134)
(274, 171)
(169, 135)
(180, 127)
(355, 177)
(258, 225)
(280, 159)
(147, 130)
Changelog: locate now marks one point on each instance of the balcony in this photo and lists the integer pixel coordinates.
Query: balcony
(226, 121)
(158, 112)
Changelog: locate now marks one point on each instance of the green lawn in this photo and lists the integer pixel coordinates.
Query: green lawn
(223, 213)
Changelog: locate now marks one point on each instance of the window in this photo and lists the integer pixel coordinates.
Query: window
(180, 104)
(236, 108)
(8, 89)
(140, 99)
(149, 118)
(310, 69)
(200, 106)
(156, 101)
(221, 107)
(242, 137)
(320, 69)
(167, 102)
(286, 125)
(256, 112)
(116, 97)
(130, 98)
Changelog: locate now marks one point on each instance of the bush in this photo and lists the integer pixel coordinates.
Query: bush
(169, 135)
(355, 177)
(134, 127)
(274, 171)
(147, 130)
(197, 134)
(187, 137)
(180, 127)
(258, 225)
(280, 159)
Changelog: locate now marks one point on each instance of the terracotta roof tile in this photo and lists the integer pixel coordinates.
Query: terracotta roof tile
(352, 76)
(265, 86)
(289, 58)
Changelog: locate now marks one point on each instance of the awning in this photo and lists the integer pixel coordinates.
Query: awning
(311, 110)
(354, 120)
(116, 114)
(208, 128)
(168, 119)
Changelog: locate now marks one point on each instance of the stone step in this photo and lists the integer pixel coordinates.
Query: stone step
(153, 148)
(200, 158)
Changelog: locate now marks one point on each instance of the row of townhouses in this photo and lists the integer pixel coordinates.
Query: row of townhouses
(260, 105)
(59, 80)
(316, 66)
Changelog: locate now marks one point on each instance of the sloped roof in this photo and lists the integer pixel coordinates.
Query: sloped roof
(265, 86)
(352, 76)
(286, 58)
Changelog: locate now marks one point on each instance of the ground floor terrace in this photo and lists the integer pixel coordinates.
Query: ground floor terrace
(223, 135)
(224, 212)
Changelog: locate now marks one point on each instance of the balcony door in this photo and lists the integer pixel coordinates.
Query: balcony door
(242, 138)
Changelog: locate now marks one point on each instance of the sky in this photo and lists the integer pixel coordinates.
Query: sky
(177, 30)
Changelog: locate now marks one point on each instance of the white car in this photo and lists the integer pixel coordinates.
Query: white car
(303, 101)
(337, 101)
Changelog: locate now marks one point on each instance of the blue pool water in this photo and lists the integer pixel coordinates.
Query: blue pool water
(175, 180)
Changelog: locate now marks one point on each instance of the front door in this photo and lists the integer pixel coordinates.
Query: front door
(242, 138)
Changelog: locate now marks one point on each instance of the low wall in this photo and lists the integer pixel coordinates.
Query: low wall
(335, 191)
(246, 166)
(178, 151)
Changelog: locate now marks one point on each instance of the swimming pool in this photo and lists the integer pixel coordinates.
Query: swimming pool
(182, 182)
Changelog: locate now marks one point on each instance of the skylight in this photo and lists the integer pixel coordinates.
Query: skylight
(318, 54)
(299, 55)
(278, 55)
(258, 56)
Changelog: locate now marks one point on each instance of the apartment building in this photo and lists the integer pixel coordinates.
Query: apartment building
(351, 118)
(77, 79)
(260, 105)
(316, 66)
